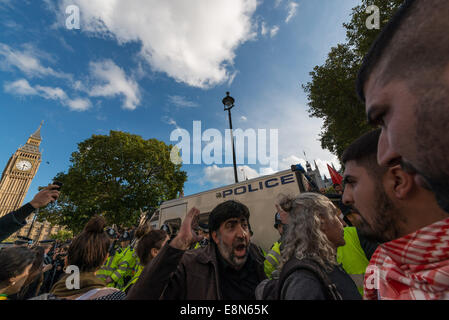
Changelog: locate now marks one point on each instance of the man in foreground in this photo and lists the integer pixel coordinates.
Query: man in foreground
(404, 82)
(413, 260)
(229, 268)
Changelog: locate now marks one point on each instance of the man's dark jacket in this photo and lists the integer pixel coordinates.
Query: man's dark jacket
(185, 275)
(14, 221)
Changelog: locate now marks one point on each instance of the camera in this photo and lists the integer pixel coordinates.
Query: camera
(58, 183)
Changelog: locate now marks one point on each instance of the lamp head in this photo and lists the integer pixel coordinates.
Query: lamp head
(228, 101)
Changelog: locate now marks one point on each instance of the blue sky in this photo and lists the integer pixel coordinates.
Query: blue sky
(149, 67)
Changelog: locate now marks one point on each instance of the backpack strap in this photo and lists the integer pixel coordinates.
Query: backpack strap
(310, 265)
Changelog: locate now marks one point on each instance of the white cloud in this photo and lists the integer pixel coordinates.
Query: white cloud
(191, 41)
(27, 61)
(225, 175)
(292, 8)
(113, 81)
(181, 102)
(170, 121)
(297, 132)
(277, 3)
(79, 104)
(243, 119)
(52, 93)
(286, 163)
(274, 31)
(265, 29)
(22, 87)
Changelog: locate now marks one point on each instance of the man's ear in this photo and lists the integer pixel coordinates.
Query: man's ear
(214, 236)
(154, 252)
(403, 182)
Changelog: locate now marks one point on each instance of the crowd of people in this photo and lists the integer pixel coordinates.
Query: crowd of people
(386, 239)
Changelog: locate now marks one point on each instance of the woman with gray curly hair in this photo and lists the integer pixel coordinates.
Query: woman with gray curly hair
(314, 233)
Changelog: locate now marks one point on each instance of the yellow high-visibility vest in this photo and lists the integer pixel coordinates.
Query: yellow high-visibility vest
(272, 259)
(353, 258)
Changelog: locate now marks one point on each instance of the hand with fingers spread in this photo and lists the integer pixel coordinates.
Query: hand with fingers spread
(45, 196)
(282, 214)
(186, 235)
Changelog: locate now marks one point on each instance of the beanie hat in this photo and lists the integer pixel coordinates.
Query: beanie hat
(224, 211)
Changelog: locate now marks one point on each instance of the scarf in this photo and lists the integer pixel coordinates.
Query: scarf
(88, 281)
(414, 267)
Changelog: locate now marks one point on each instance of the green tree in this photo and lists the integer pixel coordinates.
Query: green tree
(62, 235)
(115, 176)
(331, 92)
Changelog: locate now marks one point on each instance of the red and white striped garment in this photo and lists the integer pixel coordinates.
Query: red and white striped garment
(414, 267)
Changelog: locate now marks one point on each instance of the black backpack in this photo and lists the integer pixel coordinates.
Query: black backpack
(271, 289)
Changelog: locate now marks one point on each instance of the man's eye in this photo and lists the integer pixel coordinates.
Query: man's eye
(379, 120)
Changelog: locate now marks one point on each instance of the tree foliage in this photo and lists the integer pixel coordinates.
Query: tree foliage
(62, 235)
(115, 176)
(331, 92)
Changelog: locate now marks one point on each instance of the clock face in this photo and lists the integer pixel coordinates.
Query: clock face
(23, 165)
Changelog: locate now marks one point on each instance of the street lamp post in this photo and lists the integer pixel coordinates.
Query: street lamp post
(228, 103)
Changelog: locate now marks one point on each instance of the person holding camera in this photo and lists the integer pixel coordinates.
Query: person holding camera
(88, 251)
(15, 220)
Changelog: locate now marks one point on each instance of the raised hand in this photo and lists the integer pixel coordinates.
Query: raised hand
(45, 196)
(186, 235)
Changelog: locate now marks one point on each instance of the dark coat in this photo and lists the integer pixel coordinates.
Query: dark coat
(191, 275)
(304, 285)
(14, 221)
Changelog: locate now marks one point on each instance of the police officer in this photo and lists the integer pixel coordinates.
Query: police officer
(115, 254)
(203, 231)
(125, 265)
(273, 257)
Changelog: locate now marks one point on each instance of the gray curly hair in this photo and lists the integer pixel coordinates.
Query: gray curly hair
(304, 238)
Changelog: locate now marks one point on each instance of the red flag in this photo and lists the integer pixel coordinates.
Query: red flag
(335, 176)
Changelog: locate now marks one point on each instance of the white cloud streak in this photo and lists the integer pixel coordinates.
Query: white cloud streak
(220, 176)
(181, 102)
(274, 31)
(292, 9)
(23, 88)
(170, 121)
(27, 62)
(265, 29)
(112, 81)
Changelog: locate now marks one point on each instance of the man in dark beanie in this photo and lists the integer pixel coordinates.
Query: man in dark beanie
(229, 268)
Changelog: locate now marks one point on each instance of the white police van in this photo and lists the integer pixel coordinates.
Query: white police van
(259, 195)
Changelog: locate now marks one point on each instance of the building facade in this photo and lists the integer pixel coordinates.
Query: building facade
(316, 176)
(16, 180)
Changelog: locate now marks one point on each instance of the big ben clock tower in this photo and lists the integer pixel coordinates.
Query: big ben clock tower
(19, 172)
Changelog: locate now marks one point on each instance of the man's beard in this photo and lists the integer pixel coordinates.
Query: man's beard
(227, 252)
(384, 227)
(432, 149)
